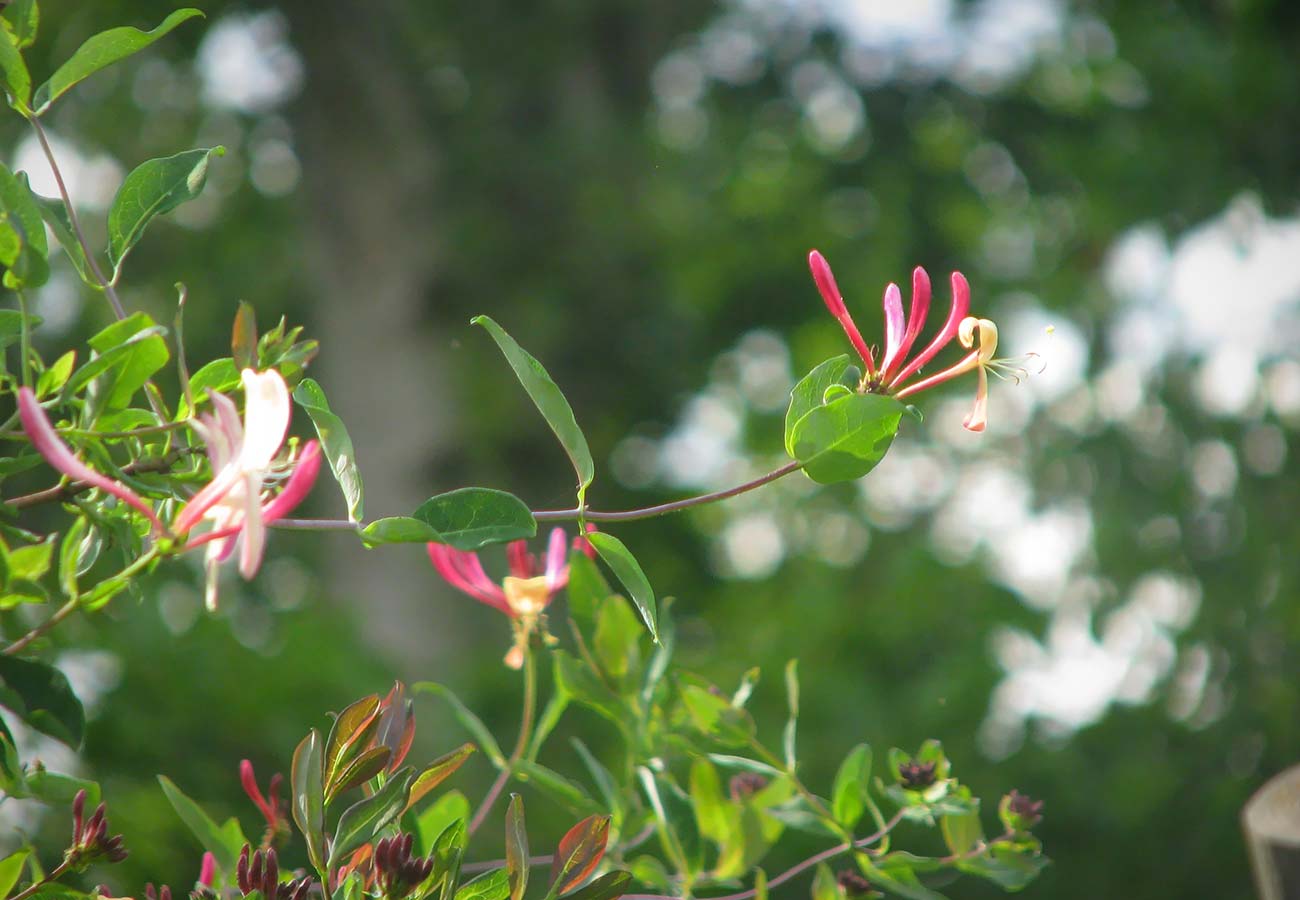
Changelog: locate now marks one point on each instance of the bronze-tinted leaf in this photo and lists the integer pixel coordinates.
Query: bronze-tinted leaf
(516, 847)
(438, 771)
(579, 853)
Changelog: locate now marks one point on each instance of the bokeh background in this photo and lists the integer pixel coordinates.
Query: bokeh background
(1094, 602)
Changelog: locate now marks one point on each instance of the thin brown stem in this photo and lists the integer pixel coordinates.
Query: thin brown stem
(109, 290)
(60, 614)
(36, 886)
(549, 515)
(521, 745)
(72, 488)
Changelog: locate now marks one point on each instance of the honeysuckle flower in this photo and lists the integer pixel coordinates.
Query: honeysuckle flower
(243, 459)
(524, 594)
(277, 822)
(59, 455)
(895, 376)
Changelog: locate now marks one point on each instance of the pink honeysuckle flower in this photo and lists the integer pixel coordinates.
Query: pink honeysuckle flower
(243, 459)
(894, 376)
(59, 455)
(208, 870)
(524, 594)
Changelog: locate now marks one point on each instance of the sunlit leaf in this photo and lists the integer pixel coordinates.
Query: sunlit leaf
(845, 439)
(336, 443)
(153, 188)
(473, 517)
(628, 571)
(810, 392)
(516, 847)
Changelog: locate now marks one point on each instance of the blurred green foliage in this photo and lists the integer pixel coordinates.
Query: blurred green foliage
(578, 172)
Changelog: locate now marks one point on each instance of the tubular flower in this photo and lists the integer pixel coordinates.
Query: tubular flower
(243, 461)
(895, 375)
(524, 594)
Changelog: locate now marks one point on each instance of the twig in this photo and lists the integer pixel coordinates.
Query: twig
(72, 488)
(525, 729)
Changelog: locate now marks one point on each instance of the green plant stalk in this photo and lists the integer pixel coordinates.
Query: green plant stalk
(54, 875)
(24, 341)
(521, 745)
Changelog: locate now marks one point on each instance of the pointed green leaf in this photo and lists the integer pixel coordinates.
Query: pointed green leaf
(210, 837)
(14, 77)
(11, 869)
(473, 724)
(152, 189)
(494, 885)
(473, 517)
(568, 794)
(792, 703)
(450, 808)
(849, 794)
(146, 353)
(549, 400)
(41, 696)
(22, 17)
(516, 847)
(308, 779)
(587, 589)
(29, 268)
(846, 438)
(102, 50)
(366, 818)
(628, 571)
(609, 886)
(398, 530)
(336, 443)
(438, 771)
(55, 215)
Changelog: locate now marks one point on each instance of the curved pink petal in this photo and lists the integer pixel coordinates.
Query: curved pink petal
(464, 572)
(299, 484)
(557, 573)
(825, 281)
(252, 535)
(916, 317)
(266, 418)
(519, 560)
(212, 493)
(59, 455)
(957, 312)
(208, 870)
(895, 325)
(961, 367)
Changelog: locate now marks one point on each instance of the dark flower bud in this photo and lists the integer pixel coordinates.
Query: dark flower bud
(163, 893)
(1020, 812)
(90, 838)
(854, 885)
(744, 785)
(397, 873)
(916, 775)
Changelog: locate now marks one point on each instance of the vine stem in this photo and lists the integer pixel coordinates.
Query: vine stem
(48, 879)
(521, 745)
(72, 488)
(109, 291)
(590, 515)
(796, 869)
(649, 512)
(69, 608)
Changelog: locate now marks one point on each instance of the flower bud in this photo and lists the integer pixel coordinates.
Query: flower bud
(916, 775)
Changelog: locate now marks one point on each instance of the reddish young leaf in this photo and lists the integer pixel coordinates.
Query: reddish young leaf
(580, 852)
(349, 736)
(437, 772)
(243, 338)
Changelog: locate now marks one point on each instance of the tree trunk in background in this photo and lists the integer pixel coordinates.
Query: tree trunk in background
(368, 184)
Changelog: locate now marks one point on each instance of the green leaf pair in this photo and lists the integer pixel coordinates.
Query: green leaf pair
(837, 433)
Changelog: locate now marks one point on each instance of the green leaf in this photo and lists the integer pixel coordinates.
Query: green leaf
(516, 848)
(219, 376)
(616, 642)
(548, 399)
(145, 353)
(308, 779)
(576, 680)
(677, 829)
(438, 771)
(609, 886)
(742, 764)
(587, 589)
(56, 376)
(715, 717)
(102, 50)
(560, 789)
(212, 838)
(605, 783)
(810, 393)
(962, 831)
(713, 815)
(31, 562)
(22, 17)
(11, 869)
(450, 808)
(398, 530)
(494, 885)
(41, 696)
(849, 794)
(628, 571)
(243, 337)
(579, 853)
(366, 818)
(845, 439)
(1007, 867)
(473, 517)
(29, 268)
(348, 737)
(14, 77)
(473, 724)
(57, 789)
(336, 443)
(55, 215)
(152, 189)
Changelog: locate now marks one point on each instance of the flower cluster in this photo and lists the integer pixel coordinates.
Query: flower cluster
(524, 594)
(243, 456)
(261, 873)
(90, 839)
(895, 375)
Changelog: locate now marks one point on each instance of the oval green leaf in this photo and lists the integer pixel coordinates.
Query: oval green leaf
(153, 188)
(100, 51)
(549, 400)
(336, 443)
(398, 530)
(470, 518)
(41, 696)
(845, 439)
